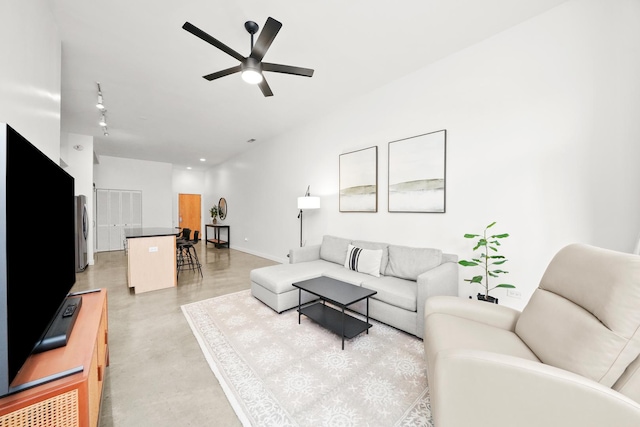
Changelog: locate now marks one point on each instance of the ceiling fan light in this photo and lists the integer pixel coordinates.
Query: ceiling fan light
(251, 76)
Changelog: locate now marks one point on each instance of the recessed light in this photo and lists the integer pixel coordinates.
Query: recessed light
(189, 167)
(78, 147)
(203, 160)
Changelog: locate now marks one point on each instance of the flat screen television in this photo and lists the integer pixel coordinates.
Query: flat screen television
(37, 252)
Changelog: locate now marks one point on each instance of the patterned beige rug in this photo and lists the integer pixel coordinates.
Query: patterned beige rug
(278, 373)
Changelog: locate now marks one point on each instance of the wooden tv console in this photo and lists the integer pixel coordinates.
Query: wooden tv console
(75, 399)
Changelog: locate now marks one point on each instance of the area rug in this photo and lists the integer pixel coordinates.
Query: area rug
(276, 372)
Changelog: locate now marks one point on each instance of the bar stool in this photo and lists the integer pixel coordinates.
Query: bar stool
(187, 254)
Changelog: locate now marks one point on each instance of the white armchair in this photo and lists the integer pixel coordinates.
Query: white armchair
(570, 358)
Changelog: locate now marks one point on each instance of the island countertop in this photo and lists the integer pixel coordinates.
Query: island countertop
(130, 233)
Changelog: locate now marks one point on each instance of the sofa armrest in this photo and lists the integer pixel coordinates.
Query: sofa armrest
(478, 388)
(442, 280)
(495, 315)
(304, 254)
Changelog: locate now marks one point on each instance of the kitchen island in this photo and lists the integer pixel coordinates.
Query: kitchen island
(151, 256)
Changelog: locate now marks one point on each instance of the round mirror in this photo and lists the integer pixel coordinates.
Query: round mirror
(222, 208)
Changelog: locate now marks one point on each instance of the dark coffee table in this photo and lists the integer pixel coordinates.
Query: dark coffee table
(342, 295)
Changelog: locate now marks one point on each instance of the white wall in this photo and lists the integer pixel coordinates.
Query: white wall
(30, 73)
(543, 137)
(154, 179)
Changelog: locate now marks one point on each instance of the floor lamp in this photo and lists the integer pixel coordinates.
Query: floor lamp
(306, 202)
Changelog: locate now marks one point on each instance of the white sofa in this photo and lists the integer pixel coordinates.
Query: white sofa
(570, 358)
(407, 277)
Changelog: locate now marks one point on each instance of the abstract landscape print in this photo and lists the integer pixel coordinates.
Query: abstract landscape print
(359, 180)
(417, 168)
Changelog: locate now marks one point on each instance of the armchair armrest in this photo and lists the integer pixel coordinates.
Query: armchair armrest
(442, 280)
(304, 254)
(483, 312)
(477, 388)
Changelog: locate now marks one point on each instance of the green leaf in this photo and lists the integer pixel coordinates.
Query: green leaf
(500, 236)
(467, 263)
(497, 257)
(492, 274)
(504, 285)
(499, 271)
(499, 262)
(478, 261)
(491, 225)
(471, 236)
(493, 249)
(476, 279)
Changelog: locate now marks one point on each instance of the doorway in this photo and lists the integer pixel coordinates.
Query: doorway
(189, 212)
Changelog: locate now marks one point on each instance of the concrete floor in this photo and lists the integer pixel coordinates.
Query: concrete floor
(158, 375)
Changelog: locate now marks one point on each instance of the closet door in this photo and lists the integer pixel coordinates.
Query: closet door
(116, 210)
(102, 220)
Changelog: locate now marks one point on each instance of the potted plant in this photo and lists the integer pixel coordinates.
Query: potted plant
(488, 258)
(214, 213)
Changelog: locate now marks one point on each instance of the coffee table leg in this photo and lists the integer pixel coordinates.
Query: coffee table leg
(299, 303)
(343, 328)
(367, 314)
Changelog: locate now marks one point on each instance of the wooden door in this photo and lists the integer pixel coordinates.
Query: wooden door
(189, 212)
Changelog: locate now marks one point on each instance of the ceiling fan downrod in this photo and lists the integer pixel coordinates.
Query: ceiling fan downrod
(252, 28)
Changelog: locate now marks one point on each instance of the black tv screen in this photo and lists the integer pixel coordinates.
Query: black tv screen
(37, 252)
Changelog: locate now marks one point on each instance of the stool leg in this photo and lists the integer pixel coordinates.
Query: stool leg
(197, 261)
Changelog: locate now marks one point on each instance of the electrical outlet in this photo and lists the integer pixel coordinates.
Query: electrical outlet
(513, 293)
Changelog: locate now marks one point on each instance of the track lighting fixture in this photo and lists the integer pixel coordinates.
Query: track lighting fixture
(101, 107)
(100, 104)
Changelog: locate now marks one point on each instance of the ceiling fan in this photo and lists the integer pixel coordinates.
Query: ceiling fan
(251, 66)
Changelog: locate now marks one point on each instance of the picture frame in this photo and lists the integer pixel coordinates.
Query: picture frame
(358, 184)
(417, 173)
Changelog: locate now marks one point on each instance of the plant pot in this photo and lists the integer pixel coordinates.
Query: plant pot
(214, 221)
(482, 297)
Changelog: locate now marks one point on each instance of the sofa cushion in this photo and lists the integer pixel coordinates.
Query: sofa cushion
(584, 316)
(450, 332)
(391, 290)
(345, 275)
(376, 245)
(363, 260)
(408, 263)
(279, 278)
(334, 249)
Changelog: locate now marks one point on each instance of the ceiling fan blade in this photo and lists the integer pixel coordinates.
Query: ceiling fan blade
(264, 87)
(222, 73)
(268, 33)
(287, 69)
(206, 37)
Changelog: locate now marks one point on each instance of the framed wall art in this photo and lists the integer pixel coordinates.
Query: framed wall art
(359, 181)
(417, 168)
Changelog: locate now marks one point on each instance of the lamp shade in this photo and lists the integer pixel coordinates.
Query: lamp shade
(308, 202)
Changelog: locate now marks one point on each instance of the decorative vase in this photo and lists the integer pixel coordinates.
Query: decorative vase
(213, 220)
(489, 298)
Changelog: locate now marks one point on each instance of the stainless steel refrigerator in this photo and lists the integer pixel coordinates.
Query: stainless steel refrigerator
(81, 232)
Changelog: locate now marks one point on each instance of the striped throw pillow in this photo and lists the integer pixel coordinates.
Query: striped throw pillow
(363, 260)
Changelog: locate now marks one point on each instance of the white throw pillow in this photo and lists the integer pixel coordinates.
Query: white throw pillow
(363, 260)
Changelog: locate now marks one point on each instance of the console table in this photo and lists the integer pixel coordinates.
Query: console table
(216, 239)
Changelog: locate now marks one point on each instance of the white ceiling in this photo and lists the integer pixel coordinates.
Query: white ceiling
(159, 107)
